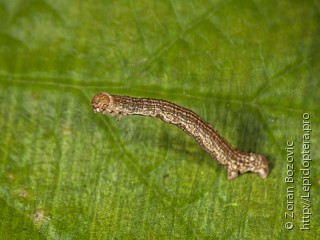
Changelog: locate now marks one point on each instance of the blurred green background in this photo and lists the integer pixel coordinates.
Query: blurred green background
(251, 68)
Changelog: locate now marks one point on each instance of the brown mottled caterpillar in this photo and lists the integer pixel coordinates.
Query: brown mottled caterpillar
(232, 159)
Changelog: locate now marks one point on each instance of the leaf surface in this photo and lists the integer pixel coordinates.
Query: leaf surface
(251, 68)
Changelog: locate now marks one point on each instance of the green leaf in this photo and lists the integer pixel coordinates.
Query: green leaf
(251, 68)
